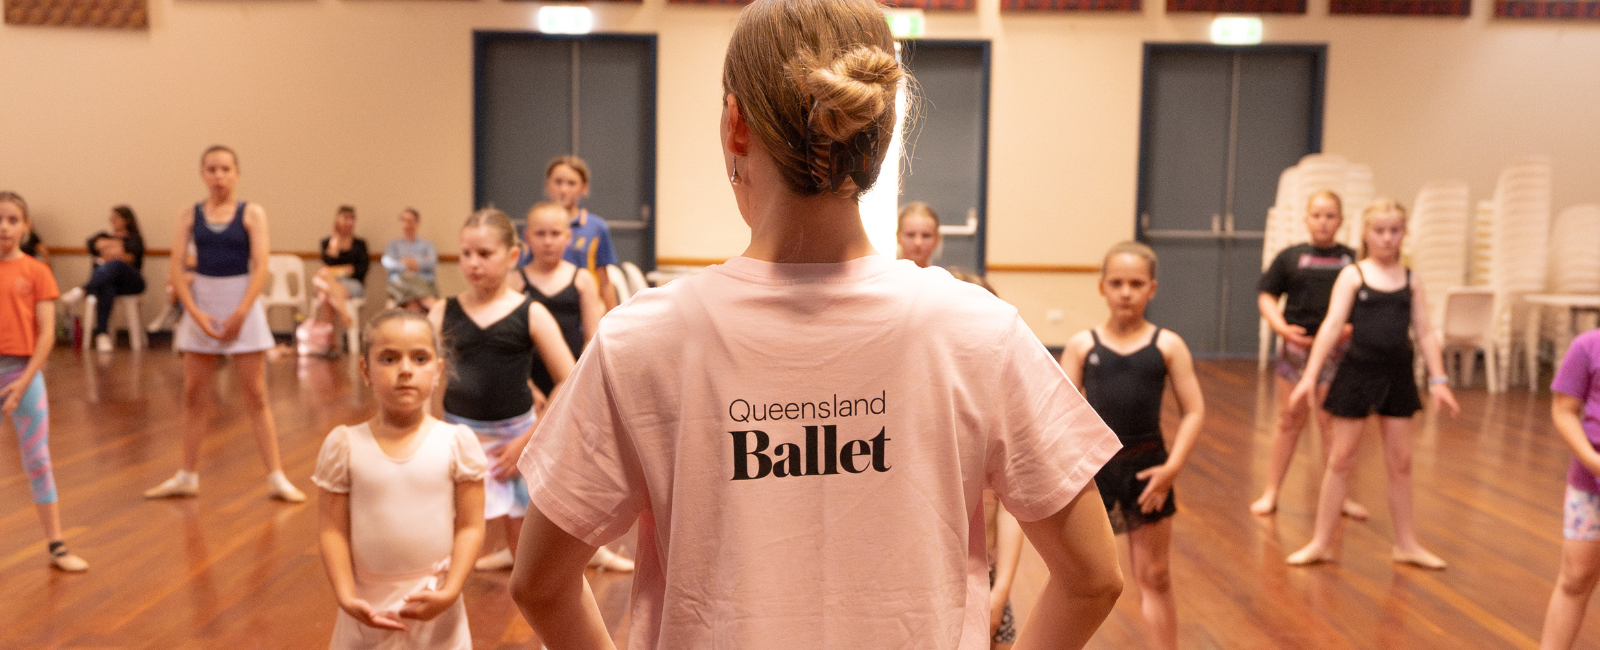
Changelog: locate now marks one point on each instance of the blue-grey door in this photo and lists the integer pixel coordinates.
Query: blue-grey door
(538, 96)
(1219, 125)
(947, 162)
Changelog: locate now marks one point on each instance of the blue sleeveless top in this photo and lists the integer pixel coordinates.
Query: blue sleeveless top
(221, 254)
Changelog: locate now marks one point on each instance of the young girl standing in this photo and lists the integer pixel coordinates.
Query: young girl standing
(1305, 274)
(1575, 408)
(27, 333)
(400, 504)
(573, 298)
(1381, 301)
(492, 333)
(222, 316)
(1124, 366)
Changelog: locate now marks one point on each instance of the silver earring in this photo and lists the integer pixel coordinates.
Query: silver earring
(735, 177)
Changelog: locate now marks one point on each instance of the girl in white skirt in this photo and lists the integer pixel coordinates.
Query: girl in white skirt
(222, 315)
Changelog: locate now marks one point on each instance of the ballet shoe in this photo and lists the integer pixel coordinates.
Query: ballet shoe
(1419, 558)
(281, 489)
(68, 562)
(497, 561)
(177, 486)
(605, 560)
(1308, 556)
(1264, 506)
(1355, 511)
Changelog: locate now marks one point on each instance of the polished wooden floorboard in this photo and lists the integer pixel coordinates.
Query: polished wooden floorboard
(234, 569)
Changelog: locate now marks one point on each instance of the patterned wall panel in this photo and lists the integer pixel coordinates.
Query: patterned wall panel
(939, 5)
(1402, 7)
(1572, 9)
(125, 14)
(1071, 5)
(1239, 6)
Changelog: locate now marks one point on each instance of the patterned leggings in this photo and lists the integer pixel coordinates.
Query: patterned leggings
(32, 419)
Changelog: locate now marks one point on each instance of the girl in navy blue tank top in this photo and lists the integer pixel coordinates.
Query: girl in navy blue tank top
(1124, 367)
(1382, 301)
(491, 335)
(223, 316)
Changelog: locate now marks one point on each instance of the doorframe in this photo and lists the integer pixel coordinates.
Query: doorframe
(482, 38)
(1319, 78)
(986, 59)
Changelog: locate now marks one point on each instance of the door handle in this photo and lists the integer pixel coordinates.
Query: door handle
(641, 224)
(1216, 224)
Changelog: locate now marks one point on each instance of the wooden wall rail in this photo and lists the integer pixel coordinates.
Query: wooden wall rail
(1003, 268)
(163, 252)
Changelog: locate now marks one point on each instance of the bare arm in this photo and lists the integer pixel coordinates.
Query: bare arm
(1079, 549)
(44, 321)
(548, 585)
(1442, 395)
(557, 358)
(334, 539)
(589, 304)
(1339, 303)
(608, 294)
(184, 228)
(1191, 402)
(1567, 413)
(1072, 356)
(1267, 304)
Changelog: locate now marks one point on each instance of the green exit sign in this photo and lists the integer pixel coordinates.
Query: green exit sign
(905, 23)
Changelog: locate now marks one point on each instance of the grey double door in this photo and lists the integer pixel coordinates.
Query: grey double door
(947, 161)
(1219, 124)
(539, 96)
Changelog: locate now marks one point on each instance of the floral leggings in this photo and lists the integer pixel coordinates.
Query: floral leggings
(32, 419)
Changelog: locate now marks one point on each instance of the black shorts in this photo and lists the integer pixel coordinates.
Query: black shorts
(1120, 487)
(1362, 388)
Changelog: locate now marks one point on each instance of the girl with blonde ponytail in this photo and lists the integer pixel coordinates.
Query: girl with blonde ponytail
(803, 434)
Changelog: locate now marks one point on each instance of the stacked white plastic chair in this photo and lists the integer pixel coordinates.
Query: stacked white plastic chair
(1436, 245)
(1574, 268)
(1481, 249)
(1519, 237)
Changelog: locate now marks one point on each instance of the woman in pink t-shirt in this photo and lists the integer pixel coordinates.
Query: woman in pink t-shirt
(803, 434)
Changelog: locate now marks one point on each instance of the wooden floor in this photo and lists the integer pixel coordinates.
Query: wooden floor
(233, 569)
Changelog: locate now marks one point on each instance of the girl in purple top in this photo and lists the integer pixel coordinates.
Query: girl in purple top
(1576, 412)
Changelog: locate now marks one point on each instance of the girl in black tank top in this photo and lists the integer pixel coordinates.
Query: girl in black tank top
(1123, 368)
(1375, 376)
(576, 306)
(492, 334)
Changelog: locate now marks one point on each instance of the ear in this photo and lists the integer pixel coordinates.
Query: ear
(735, 130)
(365, 380)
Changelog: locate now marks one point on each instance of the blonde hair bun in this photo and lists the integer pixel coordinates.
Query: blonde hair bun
(851, 91)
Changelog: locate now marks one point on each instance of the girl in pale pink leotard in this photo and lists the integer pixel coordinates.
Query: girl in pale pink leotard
(401, 503)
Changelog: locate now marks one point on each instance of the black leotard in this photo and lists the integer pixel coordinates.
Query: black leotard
(567, 309)
(1126, 390)
(489, 364)
(1381, 322)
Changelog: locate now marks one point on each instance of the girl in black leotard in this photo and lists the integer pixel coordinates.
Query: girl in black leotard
(1381, 300)
(491, 334)
(572, 297)
(1123, 367)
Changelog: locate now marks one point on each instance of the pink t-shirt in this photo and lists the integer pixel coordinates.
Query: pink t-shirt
(805, 448)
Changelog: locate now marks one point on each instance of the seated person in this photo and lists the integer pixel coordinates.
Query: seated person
(118, 261)
(34, 247)
(344, 270)
(410, 263)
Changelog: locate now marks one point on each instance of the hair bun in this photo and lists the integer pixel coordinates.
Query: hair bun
(851, 91)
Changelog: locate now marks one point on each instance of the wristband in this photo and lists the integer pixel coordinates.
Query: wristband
(1438, 381)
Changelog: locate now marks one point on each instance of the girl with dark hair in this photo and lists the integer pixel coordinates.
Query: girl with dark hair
(118, 270)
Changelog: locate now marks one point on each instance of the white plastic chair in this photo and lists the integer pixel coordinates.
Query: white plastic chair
(1467, 326)
(130, 310)
(1436, 241)
(286, 286)
(352, 334)
(1519, 236)
(636, 281)
(618, 282)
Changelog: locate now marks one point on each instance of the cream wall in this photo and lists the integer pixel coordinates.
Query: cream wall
(369, 102)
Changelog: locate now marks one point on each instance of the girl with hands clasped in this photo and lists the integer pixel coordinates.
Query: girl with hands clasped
(402, 501)
(222, 316)
(1381, 301)
(1124, 366)
(1575, 409)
